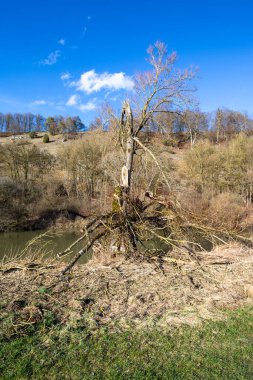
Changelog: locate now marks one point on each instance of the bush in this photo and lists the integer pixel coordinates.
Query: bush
(33, 134)
(12, 209)
(219, 169)
(227, 210)
(170, 142)
(46, 138)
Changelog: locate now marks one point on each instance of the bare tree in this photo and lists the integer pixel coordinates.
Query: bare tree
(194, 123)
(163, 89)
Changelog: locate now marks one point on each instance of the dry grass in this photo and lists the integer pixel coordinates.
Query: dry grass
(134, 293)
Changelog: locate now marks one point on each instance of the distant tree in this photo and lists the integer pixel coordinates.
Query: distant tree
(229, 123)
(27, 122)
(70, 125)
(79, 125)
(2, 122)
(30, 122)
(52, 126)
(39, 122)
(219, 125)
(8, 122)
(17, 125)
(24, 161)
(194, 122)
(97, 124)
(62, 126)
(164, 123)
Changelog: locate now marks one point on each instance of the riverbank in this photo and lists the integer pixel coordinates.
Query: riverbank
(109, 291)
(112, 318)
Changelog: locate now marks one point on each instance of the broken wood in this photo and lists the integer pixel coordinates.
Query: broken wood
(82, 251)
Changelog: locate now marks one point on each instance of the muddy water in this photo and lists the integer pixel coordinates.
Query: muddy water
(12, 243)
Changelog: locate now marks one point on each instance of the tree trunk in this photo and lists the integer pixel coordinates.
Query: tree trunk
(126, 173)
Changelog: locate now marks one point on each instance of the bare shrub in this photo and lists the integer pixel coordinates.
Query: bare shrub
(227, 210)
(219, 169)
(193, 201)
(24, 161)
(12, 209)
(85, 165)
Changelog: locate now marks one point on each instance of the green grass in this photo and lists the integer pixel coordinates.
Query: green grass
(217, 350)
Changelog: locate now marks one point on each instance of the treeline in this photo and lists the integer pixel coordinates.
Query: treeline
(218, 126)
(19, 123)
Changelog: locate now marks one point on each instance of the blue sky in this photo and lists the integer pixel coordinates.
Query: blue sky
(66, 56)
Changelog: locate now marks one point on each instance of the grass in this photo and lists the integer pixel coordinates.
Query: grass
(216, 350)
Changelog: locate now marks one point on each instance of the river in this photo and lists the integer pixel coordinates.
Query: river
(48, 244)
(12, 243)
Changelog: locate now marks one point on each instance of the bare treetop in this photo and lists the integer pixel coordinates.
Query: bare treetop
(164, 88)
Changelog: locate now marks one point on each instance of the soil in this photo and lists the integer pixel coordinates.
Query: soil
(114, 291)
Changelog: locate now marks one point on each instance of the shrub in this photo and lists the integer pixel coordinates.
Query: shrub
(219, 169)
(46, 138)
(23, 161)
(12, 209)
(227, 210)
(170, 142)
(33, 134)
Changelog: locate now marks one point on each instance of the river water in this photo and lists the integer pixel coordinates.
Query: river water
(47, 244)
(12, 243)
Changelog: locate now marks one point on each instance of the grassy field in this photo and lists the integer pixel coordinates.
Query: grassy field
(216, 350)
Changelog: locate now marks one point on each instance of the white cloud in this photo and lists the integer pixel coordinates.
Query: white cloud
(51, 59)
(73, 100)
(87, 107)
(90, 82)
(40, 102)
(61, 42)
(65, 76)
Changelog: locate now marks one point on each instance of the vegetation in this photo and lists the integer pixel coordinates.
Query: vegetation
(216, 350)
(159, 169)
(84, 174)
(29, 123)
(46, 138)
(24, 161)
(33, 134)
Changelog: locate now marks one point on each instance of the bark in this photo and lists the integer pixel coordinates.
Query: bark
(126, 173)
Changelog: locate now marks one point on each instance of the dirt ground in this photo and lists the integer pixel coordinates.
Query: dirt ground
(108, 290)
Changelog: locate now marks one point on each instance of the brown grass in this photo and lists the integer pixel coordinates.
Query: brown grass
(113, 290)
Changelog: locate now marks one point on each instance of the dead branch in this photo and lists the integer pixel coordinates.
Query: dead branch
(154, 158)
(82, 251)
(88, 230)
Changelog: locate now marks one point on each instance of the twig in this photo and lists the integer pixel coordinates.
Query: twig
(154, 158)
(87, 231)
(81, 252)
